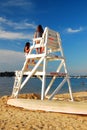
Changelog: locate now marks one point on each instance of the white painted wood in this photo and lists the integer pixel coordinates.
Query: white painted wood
(32, 72)
(51, 42)
(50, 106)
(53, 79)
(31, 56)
(58, 88)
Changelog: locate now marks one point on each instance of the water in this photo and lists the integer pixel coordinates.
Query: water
(34, 85)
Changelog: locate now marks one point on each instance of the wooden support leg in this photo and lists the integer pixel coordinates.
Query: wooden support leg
(57, 89)
(70, 90)
(43, 80)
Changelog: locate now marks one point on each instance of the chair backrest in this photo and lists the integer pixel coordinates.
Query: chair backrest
(52, 39)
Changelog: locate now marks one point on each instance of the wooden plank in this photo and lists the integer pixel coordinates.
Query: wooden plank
(50, 106)
(32, 56)
(36, 73)
(58, 74)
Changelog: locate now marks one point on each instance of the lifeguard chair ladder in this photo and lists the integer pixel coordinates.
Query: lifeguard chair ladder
(51, 43)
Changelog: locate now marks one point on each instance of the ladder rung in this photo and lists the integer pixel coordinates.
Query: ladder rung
(15, 87)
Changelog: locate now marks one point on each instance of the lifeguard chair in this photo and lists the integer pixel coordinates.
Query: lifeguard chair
(53, 51)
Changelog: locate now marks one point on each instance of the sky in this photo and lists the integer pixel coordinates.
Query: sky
(18, 22)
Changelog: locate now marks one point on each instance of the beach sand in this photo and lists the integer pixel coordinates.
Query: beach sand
(13, 118)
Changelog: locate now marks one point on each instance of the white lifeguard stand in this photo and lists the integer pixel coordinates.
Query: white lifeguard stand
(53, 51)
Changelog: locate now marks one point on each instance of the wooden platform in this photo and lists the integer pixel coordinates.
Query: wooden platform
(50, 106)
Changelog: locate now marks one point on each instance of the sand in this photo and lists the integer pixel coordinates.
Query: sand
(12, 118)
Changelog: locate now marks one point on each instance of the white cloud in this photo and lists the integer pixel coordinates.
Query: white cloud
(19, 3)
(14, 35)
(20, 25)
(6, 24)
(23, 6)
(24, 25)
(70, 30)
(2, 20)
(11, 60)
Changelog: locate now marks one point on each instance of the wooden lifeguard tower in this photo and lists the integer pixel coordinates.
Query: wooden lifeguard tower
(53, 51)
(51, 42)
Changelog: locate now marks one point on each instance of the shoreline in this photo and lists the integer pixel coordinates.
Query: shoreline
(13, 118)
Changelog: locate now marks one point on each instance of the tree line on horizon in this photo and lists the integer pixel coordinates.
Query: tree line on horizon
(10, 74)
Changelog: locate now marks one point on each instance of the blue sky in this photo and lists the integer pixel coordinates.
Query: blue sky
(19, 19)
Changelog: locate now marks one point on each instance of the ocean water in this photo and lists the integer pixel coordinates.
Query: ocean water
(34, 85)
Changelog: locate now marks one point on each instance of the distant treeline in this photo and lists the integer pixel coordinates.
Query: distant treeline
(7, 74)
(10, 74)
